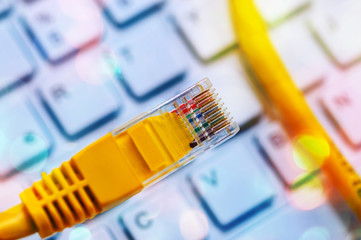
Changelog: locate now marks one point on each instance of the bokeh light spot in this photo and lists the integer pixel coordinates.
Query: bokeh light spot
(194, 225)
(90, 66)
(29, 153)
(314, 233)
(80, 233)
(310, 195)
(309, 152)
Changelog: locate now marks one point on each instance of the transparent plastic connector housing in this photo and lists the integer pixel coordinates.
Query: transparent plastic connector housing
(175, 132)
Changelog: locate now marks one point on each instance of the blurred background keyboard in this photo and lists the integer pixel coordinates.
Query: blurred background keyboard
(72, 70)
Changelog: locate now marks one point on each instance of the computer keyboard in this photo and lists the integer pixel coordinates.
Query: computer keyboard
(30, 136)
(214, 185)
(335, 30)
(59, 29)
(124, 13)
(159, 41)
(277, 149)
(67, 97)
(277, 11)
(5, 7)
(71, 71)
(341, 103)
(16, 67)
(200, 21)
(305, 60)
(141, 225)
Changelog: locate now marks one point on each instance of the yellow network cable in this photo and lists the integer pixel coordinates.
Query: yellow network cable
(121, 164)
(288, 102)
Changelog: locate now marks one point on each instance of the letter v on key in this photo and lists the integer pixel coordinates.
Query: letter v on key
(222, 184)
(210, 177)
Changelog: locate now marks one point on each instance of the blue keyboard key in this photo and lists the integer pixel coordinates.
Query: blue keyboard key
(232, 188)
(165, 216)
(24, 142)
(60, 28)
(322, 222)
(15, 68)
(125, 12)
(5, 7)
(77, 98)
(150, 59)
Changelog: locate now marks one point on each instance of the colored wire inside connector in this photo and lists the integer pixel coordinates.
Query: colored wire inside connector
(204, 115)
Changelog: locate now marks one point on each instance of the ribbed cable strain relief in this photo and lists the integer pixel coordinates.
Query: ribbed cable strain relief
(60, 199)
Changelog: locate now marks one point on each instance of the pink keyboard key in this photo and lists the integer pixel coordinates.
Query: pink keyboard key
(343, 104)
(279, 150)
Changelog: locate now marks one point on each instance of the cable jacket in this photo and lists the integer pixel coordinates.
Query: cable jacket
(287, 101)
(16, 223)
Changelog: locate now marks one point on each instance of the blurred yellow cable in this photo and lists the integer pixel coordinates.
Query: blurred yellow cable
(16, 223)
(288, 102)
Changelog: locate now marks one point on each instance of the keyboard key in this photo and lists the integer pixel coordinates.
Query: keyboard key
(125, 12)
(150, 58)
(81, 231)
(304, 59)
(230, 81)
(102, 233)
(23, 141)
(15, 68)
(343, 103)
(275, 11)
(206, 25)
(279, 151)
(168, 216)
(5, 7)
(61, 28)
(335, 22)
(77, 106)
(320, 223)
(232, 187)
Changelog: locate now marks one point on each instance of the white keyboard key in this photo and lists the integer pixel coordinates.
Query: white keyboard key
(229, 79)
(61, 28)
(77, 106)
(23, 141)
(206, 25)
(150, 58)
(215, 184)
(343, 103)
(274, 11)
(316, 224)
(168, 216)
(14, 65)
(279, 151)
(336, 23)
(5, 6)
(125, 12)
(302, 56)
